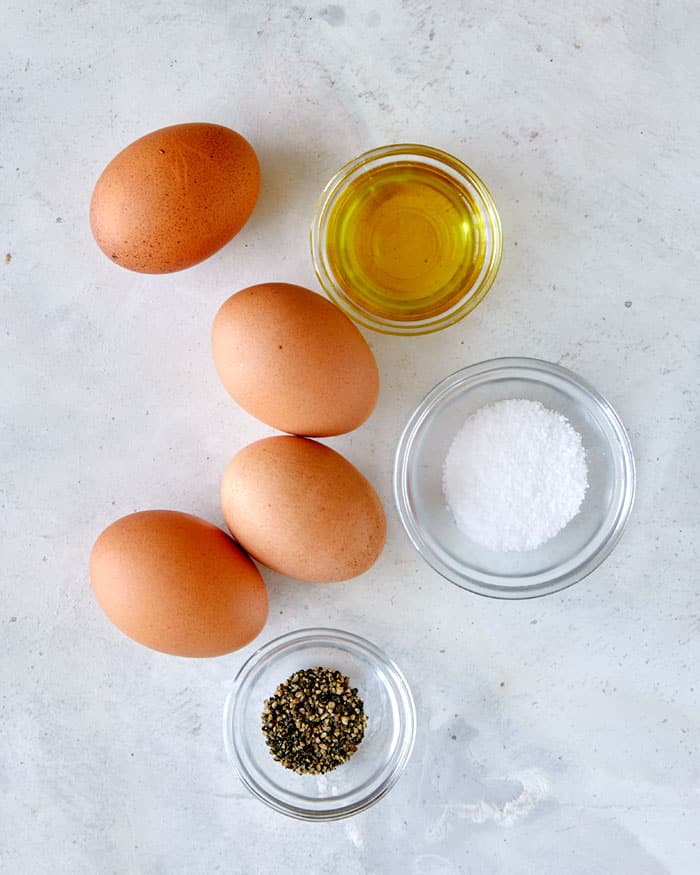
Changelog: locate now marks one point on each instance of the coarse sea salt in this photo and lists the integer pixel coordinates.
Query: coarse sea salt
(515, 475)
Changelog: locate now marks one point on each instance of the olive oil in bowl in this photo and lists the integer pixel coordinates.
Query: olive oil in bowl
(406, 240)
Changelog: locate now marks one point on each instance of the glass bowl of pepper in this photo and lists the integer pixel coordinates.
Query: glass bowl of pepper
(319, 724)
(540, 473)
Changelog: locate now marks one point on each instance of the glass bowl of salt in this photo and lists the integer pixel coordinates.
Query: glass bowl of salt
(514, 478)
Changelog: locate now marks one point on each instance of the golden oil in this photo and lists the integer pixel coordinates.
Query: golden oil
(405, 241)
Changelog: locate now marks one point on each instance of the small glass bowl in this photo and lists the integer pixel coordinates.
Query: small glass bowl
(381, 755)
(572, 554)
(429, 316)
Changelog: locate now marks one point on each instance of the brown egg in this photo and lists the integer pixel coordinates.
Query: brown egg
(294, 360)
(300, 508)
(177, 584)
(174, 197)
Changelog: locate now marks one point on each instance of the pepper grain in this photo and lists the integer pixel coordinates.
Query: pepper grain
(314, 721)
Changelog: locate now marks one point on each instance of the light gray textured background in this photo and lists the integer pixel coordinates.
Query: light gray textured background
(555, 736)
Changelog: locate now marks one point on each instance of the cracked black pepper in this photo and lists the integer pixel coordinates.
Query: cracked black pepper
(314, 721)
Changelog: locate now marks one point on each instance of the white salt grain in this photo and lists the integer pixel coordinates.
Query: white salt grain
(515, 475)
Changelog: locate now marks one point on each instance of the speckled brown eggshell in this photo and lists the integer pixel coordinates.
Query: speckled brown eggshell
(174, 197)
(302, 509)
(177, 584)
(294, 360)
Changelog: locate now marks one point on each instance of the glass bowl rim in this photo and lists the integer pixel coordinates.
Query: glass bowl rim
(431, 402)
(369, 320)
(287, 641)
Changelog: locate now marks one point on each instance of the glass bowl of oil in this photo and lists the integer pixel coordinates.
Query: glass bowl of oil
(406, 239)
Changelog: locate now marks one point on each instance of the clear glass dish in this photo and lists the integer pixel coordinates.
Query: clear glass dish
(572, 554)
(381, 756)
(419, 313)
